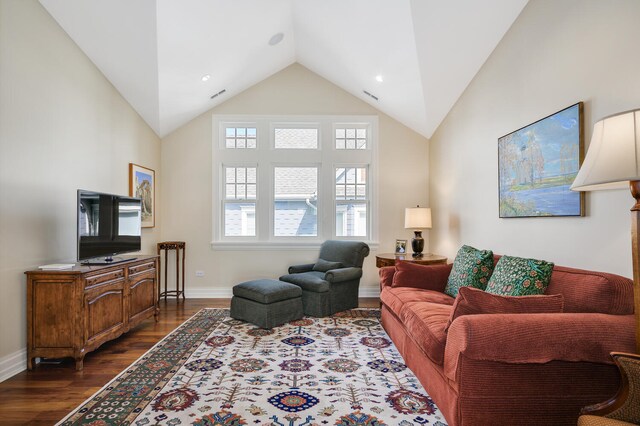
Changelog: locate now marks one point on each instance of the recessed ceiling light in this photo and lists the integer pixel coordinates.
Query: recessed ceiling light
(275, 39)
(379, 78)
(206, 77)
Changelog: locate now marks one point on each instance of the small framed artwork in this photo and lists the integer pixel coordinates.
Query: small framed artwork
(401, 246)
(142, 184)
(538, 163)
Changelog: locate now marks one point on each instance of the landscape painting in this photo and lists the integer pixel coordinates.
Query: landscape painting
(538, 163)
(142, 185)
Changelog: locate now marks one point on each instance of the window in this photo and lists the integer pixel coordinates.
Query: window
(351, 138)
(295, 201)
(240, 137)
(351, 201)
(240, 185)
(296, 138)
(293, 180)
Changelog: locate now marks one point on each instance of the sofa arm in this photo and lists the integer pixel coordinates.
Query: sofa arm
(343, 274)
(386, 276)
(298, 269)
(537, 338)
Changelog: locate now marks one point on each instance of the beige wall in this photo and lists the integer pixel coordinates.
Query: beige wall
(63, 126)
(187, 184)
(556, 53)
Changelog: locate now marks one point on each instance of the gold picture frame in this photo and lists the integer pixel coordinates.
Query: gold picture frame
(401, 246)
(142, 184)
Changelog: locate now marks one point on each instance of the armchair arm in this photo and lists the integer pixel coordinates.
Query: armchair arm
(297, 269)
(343, 274)
(537, 338)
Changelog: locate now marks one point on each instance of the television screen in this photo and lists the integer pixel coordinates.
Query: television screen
(107, 225)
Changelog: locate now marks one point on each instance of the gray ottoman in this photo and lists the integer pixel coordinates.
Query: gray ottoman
(266, 303)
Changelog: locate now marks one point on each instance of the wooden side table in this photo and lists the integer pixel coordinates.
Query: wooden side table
(166, 246)
(389, 259)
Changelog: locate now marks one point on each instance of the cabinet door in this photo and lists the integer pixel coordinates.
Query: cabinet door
(142, 297)
(53, 310)
(105, 316)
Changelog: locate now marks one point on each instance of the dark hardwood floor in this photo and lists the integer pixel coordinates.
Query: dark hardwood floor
(46, 394)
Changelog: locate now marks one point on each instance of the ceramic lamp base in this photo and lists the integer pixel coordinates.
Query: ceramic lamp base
(417, 244)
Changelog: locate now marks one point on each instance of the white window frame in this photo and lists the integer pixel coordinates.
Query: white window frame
(265, 157)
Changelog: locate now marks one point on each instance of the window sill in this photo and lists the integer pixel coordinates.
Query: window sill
(267, 246)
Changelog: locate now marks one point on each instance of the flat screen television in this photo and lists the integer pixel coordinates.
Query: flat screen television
(108, 225)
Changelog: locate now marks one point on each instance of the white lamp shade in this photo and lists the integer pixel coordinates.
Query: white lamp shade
(417, 217)
(614, 154)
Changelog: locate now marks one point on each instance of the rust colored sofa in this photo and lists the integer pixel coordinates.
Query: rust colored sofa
(511, 369)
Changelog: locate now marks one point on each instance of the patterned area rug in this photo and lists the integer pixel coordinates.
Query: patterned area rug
(213, 370)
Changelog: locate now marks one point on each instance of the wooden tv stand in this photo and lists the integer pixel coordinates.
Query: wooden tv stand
(72, 312)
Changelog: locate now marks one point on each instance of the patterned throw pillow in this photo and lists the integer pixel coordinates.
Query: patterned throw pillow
(517, 276)
(471, 268)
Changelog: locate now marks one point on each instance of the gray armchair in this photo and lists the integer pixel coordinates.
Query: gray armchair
(331, 284)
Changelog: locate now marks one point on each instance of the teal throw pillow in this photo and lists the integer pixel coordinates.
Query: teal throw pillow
(517, 276)
(471, 268)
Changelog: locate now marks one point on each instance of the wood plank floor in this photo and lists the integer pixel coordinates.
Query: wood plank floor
(46, 394)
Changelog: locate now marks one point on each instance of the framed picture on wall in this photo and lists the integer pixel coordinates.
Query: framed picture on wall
(142, 184)
(538, 163)
(401, 246)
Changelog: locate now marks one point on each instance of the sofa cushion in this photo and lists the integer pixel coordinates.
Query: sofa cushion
(471, 267)
(428, 277)
(472, 301)
(396, 297)
(324, 265)
(425, 323)
(518, 276)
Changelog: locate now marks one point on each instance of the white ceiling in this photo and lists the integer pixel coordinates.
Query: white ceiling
(155, 52)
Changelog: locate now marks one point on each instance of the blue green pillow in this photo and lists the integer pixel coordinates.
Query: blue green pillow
(471, 268)
(517, 276)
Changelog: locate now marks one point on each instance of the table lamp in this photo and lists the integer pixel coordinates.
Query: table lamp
(613, 161)
(417, 218)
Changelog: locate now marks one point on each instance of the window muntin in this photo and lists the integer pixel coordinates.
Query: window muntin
(241, 137)
(240, 184)
(295, 202)
(348, 138)
(351, 183)
(351, 201)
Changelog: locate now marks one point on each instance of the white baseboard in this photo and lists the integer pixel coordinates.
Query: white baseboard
(225, 293)
(208, 293)
(12, 364)
(369, 292)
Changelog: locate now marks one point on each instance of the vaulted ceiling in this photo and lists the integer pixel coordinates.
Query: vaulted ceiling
(156, 52)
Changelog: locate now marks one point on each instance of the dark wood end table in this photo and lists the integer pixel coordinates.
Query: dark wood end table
(389, 259)
(166, 246)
